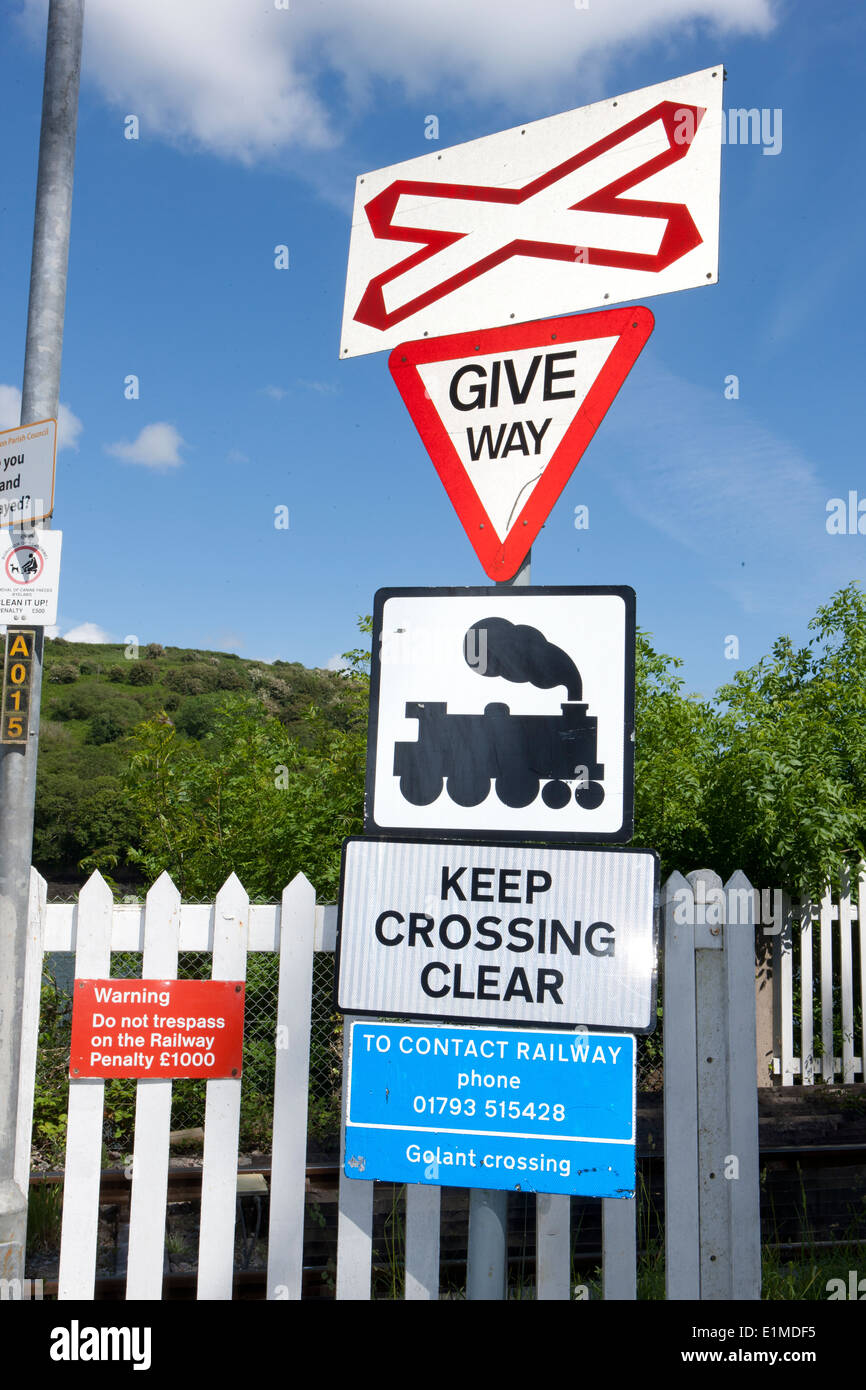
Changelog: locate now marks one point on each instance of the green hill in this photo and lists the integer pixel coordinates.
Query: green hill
(94, 696)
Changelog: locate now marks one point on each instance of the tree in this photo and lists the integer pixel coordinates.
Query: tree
(250, 799)
(676, 739)
(787, 795)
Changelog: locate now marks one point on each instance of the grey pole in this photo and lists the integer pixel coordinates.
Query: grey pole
(39, 401)
(487, 1253)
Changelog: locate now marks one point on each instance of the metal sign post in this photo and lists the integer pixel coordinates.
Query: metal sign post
(487, 1248)
(39, 401)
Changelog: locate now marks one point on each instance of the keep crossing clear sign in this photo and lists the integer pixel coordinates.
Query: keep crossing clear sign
(498, 933)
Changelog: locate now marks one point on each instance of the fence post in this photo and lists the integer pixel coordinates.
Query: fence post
(742, 1179)
(682, 1230)
(487, 1253)
(712, 1216)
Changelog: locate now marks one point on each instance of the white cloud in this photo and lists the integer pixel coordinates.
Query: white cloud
(69, 426)
(336, 663)
(276, 393)
(247, 81)
(157, 446)
(321, 388)
(87, 632)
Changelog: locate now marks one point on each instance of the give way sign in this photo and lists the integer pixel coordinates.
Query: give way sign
(608, 203)
(506, 414)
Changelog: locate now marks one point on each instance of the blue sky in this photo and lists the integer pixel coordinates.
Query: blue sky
(254, 122)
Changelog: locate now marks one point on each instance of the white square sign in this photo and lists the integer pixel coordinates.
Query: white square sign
(503, 712)
(498, 933)
(28, 457)
(29, 576)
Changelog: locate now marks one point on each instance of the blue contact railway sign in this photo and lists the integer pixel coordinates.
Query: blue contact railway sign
(503, 713)
(511, 1109)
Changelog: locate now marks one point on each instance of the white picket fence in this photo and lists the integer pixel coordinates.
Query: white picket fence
(713, 975)
(228, 929)
(817, 949)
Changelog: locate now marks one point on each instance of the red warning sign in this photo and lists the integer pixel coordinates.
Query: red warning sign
(164, 1029)
(507, 413)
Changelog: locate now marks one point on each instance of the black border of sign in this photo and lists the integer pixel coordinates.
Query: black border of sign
(495, 1022)
(626, 830)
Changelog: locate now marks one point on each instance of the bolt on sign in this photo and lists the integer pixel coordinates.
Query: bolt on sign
(17, 683)
(30, 576)
(28, 457)
(504, 712)
(593, 207)
(163, 1029)
(498, 933)
(507, 413)
(500, 1108)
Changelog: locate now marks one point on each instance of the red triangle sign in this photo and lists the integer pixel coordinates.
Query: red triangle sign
(506, 414)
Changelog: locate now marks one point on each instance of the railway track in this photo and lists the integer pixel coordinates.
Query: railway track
(322, 1195)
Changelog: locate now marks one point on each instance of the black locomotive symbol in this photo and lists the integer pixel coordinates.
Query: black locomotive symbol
(517, 752)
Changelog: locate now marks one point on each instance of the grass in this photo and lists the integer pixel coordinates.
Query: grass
(44, 1212)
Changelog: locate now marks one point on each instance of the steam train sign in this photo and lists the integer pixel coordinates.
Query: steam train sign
(503, 712)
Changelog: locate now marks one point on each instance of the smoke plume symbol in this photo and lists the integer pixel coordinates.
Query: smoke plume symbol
(520, 653)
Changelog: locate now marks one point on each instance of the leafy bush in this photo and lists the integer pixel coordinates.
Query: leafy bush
(249, 798)
(197, 715)
(51, 1091)
(62, 673)
(139, 674)
(92, 699)
(194, 680)
(106, 727)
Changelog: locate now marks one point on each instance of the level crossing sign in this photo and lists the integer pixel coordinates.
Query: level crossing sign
(589, 208)
(507, 413)
(502, 711)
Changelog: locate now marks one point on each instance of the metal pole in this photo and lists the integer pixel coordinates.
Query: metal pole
(487, 1253)
(39, 401)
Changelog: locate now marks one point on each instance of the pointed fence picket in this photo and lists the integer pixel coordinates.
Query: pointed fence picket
(827, 1010)
(152, 1110)
(84, 1125)
(229, 930)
